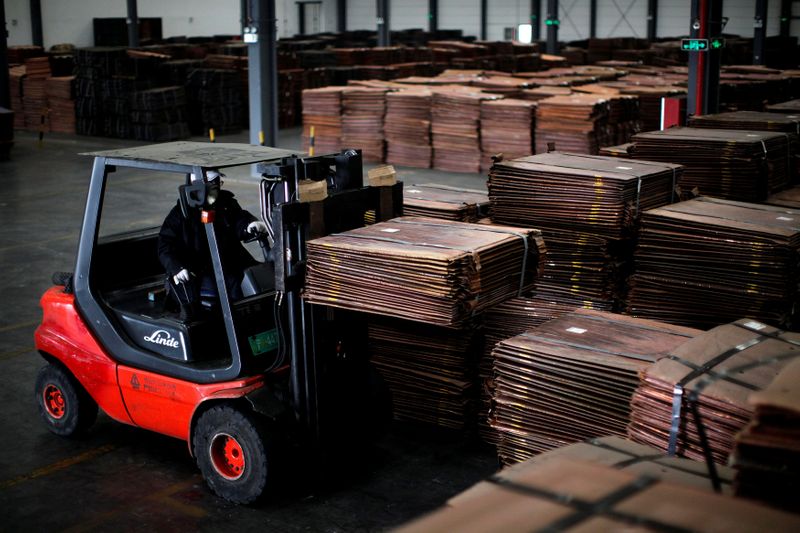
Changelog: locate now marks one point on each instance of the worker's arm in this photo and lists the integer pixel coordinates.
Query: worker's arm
(170, 243)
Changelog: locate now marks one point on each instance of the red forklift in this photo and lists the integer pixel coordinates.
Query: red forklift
(251, 379)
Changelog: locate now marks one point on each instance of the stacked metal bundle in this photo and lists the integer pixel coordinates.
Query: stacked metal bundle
(362, 121)
(570, 495)
(455, 125)
(37, 70)
(408, 127)
(503, 321)
(322, 111)
(767, 453)
(575, 123)
(430, 370)
(216, 100)
(441, 201)
(791, 107)
(427, 270)
(729, 164)
(623, 113)
(102, 104)
(159, 114)
(626, 455)
(16, 77)
(572, 378)
(706, 262)
(695, 401)
(588, 208)
(507, 128)
(649, 100)
(60, 93)
(789, 198)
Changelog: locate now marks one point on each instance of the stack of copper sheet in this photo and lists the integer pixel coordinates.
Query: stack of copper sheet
(623, 113)
(572, 378)
(694, 402)
(60, 93)
(456, 129)
(35, 100)
(428, 270)
(16, 77)
(572, 122)
(503, 321)
(442, 201)
(322, 110)
(587, 207)
(623, 454)
(706, 262)
(791, 107)
(408, 127)
(568, 495)
(731, 164)
(575, 192)
(540, 93)
(622, 150)
(650, 101)
(362, 122)
(767, 453)
(789, 198)
(430, 370)
(507, 128)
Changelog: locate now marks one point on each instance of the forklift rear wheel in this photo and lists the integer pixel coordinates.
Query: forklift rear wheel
(66, 408)
(233, 453)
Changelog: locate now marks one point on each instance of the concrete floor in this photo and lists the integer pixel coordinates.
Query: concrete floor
(124, 478)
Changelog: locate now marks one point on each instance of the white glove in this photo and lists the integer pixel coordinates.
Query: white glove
(257, 227)
(181, 277)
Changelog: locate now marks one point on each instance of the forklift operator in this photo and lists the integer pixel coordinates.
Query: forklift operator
(184, 253)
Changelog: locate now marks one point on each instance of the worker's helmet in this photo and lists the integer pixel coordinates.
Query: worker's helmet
(213, 180)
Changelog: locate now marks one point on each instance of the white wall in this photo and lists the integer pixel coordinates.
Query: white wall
(460, 15)
(71, 20)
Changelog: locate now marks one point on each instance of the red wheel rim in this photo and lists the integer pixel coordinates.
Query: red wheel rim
(227, 456)
(54, 401)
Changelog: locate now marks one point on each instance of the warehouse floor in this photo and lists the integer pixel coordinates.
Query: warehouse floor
(123, 478)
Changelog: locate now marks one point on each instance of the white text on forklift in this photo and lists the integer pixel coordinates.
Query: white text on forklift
(164, 338)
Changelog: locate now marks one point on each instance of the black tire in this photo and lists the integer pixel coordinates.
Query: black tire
(233, 452)
(64, 405)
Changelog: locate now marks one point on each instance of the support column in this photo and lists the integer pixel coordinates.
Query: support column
(652, 19)
(759, 32)
(552, 26)
(341, 15)
(484, 17)
(243, 15)
(36, 22)
(383, 23)
(301, 18)
(592, 18)
(5, 94)
(786, 18)
(133, 24)
(433, 15)
(536, 19)
(706, 23)
(262, 64)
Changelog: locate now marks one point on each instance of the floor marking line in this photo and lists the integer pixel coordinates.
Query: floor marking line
(57, 466)
(16, 353)
(18, 325)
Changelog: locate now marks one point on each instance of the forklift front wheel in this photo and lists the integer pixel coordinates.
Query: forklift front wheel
(232, 451)
(64, 405)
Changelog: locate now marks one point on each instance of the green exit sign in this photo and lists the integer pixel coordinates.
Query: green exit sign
(552, 22)
(694, 45)
(716, 44)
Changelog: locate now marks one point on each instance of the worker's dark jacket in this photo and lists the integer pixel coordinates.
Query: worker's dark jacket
(182, 242)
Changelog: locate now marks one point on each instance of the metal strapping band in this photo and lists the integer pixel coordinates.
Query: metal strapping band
(585, 510)
(560, 342)
(677, 392)
(474, 227)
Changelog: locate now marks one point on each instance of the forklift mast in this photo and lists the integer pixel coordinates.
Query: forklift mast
(312, 329)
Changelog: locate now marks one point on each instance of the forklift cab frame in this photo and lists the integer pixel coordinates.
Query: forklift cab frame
(125, 334)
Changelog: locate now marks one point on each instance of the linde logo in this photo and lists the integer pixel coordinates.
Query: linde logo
(163, 338)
